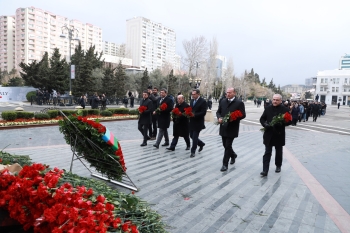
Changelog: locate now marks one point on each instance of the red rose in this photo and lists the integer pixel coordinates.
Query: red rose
(142, 109)
(287, 117)
(163, 106)
(80, 118)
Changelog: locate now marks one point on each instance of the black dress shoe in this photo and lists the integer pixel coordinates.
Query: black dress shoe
(143, 144)
(201, 147)
(192, 155)
(233, 161)
(234, 153)
(156, 146)
(148, 138)
(188, 148)
(278, 169)
(169, 148)
(223, 168)
(166, 144)
(263, 173)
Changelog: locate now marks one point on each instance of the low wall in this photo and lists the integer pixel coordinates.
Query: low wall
(8, 94)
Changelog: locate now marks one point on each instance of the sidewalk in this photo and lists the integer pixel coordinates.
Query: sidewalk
(193, 195)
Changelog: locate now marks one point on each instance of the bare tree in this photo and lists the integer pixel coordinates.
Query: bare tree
(210, 68)
(228, 79)
(196, 50)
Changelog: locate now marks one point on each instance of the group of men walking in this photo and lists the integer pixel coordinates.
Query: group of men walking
(157, 115)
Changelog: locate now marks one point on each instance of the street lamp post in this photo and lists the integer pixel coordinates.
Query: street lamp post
(71, 30)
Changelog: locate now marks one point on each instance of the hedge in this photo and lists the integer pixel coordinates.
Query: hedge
(41, 116)
(25, 115)
(9, 115)
(30, 94)
(52, 113)
(106, 113)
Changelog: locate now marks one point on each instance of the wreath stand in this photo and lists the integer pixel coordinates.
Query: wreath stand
(106, 160)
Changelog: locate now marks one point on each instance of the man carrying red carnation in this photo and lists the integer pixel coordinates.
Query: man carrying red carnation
(145, 116)
(229, 130)
(274, 136)
(163, 118)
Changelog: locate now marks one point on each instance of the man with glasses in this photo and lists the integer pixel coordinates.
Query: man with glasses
(199, 109)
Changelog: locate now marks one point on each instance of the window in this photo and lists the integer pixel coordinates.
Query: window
(321, 88)
(337, 89)
(345, 80)
(333, 89)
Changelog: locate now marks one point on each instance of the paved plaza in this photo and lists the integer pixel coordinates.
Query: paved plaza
(311, 194)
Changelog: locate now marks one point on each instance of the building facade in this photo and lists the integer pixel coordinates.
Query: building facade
(150, 45)
(344, 63)
(7, 43)
(221, 66)
(333, 86)
(36, 31)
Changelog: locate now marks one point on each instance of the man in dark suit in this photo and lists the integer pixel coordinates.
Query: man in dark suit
(163, 118)
(145, 117)
(153, 95)
(199, 109)
(180, 126)
(229, 130)
(274, 136)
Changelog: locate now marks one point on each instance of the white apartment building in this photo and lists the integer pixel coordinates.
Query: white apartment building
(115, 60)
(150, 44)
(110, 48)
(7, 43)
(344, 63)
(39, 31)
(333, 86)
(221, 66)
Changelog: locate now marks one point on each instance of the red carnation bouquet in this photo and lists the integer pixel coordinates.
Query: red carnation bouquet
(176, 113)
(142, 109)
(280, 119)
(161, 108)
(231, 116)
(188, 112)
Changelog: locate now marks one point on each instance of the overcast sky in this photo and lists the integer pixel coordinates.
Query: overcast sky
(284, 40)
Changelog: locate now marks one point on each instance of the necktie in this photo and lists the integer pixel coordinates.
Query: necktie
(194, 102)
(161, 100)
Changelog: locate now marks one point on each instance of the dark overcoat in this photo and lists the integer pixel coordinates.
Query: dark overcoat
(146, 116)
(230, 129)
(94, 103)
(315, 109)
(181, 124)
(163, 117)
(199, 110)
(275, 136)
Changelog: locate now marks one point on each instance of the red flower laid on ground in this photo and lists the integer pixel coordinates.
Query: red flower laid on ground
(161, 108)
(142, 109)
(175, 113)
(188, 112)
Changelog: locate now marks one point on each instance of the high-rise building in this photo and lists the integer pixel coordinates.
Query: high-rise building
(344, 63)
(38, 31)
(7, 43)
(220, 66)
(150, 44)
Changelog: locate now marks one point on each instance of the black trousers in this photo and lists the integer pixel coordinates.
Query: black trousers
(195, 141)
(294, 121)
(153, 127)
(267, 157)
(176, 139)
(143, 129)
(229, 153)
(315, 117)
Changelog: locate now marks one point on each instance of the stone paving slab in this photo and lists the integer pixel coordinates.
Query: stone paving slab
(192, 194)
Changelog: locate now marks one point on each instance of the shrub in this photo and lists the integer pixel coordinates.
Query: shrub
(9, 115)
(52, 113)
(41, 116)
(30, 94)
(134, 112)
(69, 112)
(93, 112)
(84, 112)
(121, 111)
(106, 113)
(112, 110)
(25, 115)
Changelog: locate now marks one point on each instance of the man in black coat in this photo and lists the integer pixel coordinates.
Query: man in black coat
(180, 126)
(163, 118)
(95, 101)
(229, 130)
(315, 109)
(273, 135)
(153, 95)
(145, 117)
(199, 109)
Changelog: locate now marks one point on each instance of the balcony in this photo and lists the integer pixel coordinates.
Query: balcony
(346, 84)
(323, 84)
